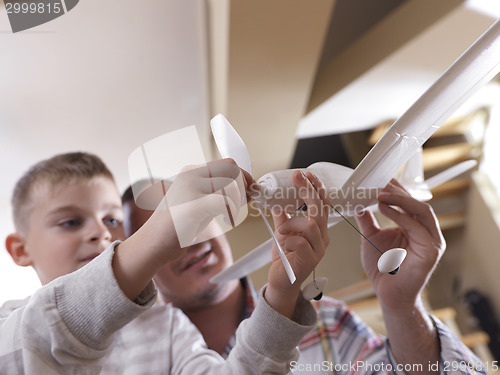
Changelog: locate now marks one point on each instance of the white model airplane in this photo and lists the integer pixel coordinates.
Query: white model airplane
(400, 145)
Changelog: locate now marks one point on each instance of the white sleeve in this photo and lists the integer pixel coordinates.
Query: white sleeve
(68, 324)
(266, 343)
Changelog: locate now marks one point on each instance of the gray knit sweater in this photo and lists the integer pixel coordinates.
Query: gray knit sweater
(82, 323)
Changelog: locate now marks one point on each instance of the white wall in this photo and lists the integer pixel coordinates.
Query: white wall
(482, 236)
(104, 78)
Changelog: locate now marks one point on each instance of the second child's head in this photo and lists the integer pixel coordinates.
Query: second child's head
(66, 211)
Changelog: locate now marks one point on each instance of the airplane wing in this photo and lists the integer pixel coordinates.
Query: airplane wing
(449, 173)
(255, 259)
(477, 66)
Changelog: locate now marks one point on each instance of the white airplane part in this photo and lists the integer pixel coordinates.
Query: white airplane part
(449, 173)
(248, 263)
(412, 177)
(261, 255)
(278, 189)
(479, 64)
(390, 261)
(314, 289)
(413, 171)
(231, 145)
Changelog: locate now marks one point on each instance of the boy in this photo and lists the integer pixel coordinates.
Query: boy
(67, 213)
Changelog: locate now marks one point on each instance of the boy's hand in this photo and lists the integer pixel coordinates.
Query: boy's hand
(203, 192)
(304, 241)
(418, 232)
(139, 257)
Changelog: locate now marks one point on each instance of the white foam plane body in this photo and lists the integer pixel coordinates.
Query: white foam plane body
(399, 147)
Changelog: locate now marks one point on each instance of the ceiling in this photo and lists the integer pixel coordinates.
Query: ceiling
(109, 76)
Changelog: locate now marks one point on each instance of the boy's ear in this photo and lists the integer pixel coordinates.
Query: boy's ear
(15, 245)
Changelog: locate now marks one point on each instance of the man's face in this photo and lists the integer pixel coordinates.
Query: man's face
(70, 224)
(185, 281)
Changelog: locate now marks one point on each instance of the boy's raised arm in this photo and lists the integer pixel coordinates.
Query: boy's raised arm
(69, 325)
(304, 239)
(157, 242)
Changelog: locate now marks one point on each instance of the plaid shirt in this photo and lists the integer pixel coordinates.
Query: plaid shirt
(343, 344)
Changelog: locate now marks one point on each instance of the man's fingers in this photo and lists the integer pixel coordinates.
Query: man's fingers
(319, 187)
(368, 225)
(300, 244)
(421, 211)
(395, 183)
(305, 228)
(279, 217)
(412, 226)
(314, 194)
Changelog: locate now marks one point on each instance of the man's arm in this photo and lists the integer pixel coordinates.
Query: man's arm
(412, 336)
(356, 348)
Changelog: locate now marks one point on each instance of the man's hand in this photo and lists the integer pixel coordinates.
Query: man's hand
(418, 232)
(304, 240)
(410, 330)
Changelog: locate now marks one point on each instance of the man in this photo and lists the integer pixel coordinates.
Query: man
(342, 343)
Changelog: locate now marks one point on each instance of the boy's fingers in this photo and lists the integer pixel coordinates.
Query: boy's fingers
(223, 168)
(212, 185)
(212, 176)
(252, 188)
(249, 180)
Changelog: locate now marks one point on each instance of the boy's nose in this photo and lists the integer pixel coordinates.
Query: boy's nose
(100, 232)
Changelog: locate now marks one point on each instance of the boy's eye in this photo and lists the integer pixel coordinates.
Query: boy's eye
(70, 223)
(112, 222)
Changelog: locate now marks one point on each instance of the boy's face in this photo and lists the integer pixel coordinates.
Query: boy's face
(70, 224)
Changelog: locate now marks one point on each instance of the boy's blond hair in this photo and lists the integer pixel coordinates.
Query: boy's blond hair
(68, 167)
